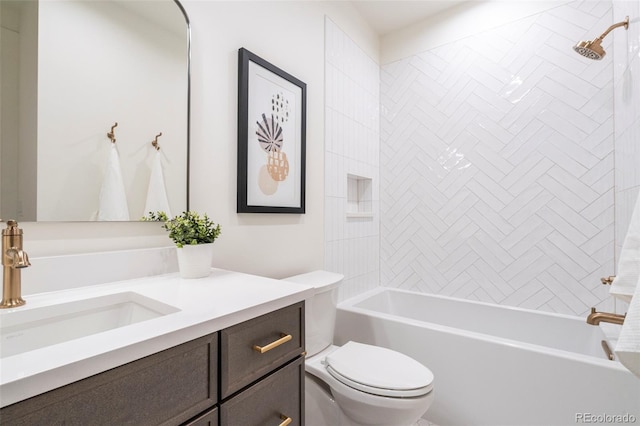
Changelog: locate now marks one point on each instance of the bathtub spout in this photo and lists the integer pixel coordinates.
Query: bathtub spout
(596, 318)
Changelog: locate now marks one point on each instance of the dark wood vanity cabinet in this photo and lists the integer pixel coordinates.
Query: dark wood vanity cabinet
(166, 388)
(241, 360)
(276, 399)
(262, 370)
(208, 418)
(219, 379)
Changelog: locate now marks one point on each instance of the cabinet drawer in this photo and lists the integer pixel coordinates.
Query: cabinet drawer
(270, 401)
(241, 364)
(166, 388)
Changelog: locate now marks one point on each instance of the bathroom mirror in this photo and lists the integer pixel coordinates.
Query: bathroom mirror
(70, 70)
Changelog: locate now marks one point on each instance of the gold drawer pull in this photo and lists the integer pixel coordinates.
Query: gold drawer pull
(286, 420)
(283, 339)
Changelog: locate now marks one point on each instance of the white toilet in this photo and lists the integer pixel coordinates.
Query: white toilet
(355, 384)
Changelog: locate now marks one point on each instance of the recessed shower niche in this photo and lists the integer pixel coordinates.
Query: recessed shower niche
(359, 196)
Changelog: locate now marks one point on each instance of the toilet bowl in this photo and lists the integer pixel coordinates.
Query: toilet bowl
(355, 384)
(373, 385)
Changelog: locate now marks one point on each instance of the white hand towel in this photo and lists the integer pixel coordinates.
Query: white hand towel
(113, 198)
(625, 283)
(628, 346)
(157, 193)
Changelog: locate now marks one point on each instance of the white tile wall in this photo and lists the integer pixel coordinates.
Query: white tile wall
(352, 146)
(497, 173)
(626, 93)
(511, 195)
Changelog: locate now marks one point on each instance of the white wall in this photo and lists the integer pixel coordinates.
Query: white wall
(352, 145)
(497, 178)
(626, 91)
(291, 36)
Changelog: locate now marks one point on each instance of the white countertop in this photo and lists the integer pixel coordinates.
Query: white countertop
(206, 305)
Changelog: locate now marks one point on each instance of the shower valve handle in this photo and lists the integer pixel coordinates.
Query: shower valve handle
(607, 280)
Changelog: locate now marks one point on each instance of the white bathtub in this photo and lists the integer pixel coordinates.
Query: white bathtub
(496, 365)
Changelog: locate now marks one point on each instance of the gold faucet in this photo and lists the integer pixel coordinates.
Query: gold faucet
(13, 259)
(596, 318)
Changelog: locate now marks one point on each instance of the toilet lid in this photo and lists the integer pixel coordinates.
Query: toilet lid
(379, 371)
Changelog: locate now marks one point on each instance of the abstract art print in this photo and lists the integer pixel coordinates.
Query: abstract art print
(271, 138)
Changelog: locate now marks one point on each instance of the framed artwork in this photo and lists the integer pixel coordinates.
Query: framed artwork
(271, 138)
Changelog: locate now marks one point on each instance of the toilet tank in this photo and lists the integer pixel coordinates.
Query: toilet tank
(320, 309)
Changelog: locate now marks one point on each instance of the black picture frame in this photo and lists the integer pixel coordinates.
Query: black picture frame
(272, 108)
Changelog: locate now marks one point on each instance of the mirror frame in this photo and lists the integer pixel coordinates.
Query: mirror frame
(186, 18)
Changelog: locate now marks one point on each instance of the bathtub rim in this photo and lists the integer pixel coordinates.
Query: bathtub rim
(350, 305)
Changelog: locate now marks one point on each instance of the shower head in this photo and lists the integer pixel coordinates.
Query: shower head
(590, 49)
(593, 49)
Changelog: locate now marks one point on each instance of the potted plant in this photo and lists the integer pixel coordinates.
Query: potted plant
(193, 236)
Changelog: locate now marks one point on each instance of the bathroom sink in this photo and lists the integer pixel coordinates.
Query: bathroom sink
(24, 330)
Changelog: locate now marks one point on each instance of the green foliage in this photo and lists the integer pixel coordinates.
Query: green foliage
(188, 228)
(155, 217)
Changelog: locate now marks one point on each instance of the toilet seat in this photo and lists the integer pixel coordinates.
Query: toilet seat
(379, 371)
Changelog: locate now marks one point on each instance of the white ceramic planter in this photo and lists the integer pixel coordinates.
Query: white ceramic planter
(195, 261)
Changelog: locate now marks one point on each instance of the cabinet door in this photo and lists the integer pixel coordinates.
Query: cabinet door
(271, 401)
(242, 363)
(167, 388)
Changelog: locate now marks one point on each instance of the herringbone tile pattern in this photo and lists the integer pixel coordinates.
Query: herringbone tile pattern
(497, 171)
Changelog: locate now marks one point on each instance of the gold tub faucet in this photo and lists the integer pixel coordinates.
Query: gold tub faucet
(596, 318)
(14, 258)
